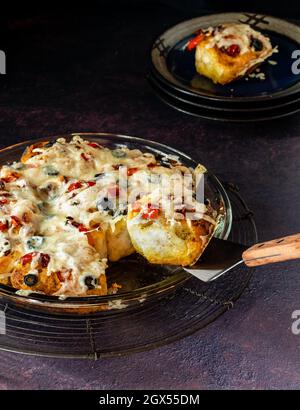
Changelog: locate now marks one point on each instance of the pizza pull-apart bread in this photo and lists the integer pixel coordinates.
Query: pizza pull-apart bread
(62, 266)
(176, 238)
(229, 51)
(118, 241)
(64, 214)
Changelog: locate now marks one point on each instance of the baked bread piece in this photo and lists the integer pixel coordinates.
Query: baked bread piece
(229, 51)
(64, 213)
(176, 240)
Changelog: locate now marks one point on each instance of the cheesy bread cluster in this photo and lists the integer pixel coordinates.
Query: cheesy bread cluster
(229, 51)
(63, 216)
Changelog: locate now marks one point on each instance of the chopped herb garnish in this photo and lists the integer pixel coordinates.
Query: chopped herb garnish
(50, 170)
(35, 242)
(41, 206)
(49, 144)
(119, 153)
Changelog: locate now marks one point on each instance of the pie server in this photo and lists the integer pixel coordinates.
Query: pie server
(221, 255)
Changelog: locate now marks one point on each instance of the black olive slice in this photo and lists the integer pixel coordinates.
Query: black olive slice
(90, 282)
(30, 279)
(256, 44)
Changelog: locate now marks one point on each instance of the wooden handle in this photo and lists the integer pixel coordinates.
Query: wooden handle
(278, 250)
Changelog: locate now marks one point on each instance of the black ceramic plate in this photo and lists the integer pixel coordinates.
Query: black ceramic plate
(176, 65)
(234, 107)
(223, 115)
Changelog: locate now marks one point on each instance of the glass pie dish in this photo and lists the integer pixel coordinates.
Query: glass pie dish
(140, 281)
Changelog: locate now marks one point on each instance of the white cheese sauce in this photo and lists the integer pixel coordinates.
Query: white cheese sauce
(50, 203)
(239, 34)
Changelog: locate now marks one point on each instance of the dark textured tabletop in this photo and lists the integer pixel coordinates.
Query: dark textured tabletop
(86, 71)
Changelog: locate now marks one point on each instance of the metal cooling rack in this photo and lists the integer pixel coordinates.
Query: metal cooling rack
(186, 310)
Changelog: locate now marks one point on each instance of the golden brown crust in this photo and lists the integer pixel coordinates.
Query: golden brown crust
(48, 284)
(29, 151)
(223, 64)
(45, 283)
(162, 242)
(118, 241)
(7, 265)
(7, 262)
(97, 239)
(221, 68)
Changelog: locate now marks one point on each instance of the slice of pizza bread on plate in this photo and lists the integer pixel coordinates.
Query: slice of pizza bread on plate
(229, 51)
(175, 237)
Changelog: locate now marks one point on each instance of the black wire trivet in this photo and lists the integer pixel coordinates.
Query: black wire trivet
(188, 309)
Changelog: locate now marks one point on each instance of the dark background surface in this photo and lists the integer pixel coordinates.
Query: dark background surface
(85, 71)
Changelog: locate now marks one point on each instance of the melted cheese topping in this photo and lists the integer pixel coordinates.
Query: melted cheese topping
(240, 34)
(49, 203)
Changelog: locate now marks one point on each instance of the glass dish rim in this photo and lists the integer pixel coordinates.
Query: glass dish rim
(36, 299)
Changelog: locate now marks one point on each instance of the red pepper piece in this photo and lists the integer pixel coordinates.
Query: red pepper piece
(11, 177)
(94, 145)
(63, 276)
(91, 183)
(27, 258)
(131, 171)
(195, 41)
(79, 226)
(3, 226)
(15, 221)
(151, 213)
(84, 156)
(44, 260)
(60, 276)
(82, 228)
(3, 201)
(75, 185)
